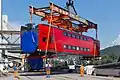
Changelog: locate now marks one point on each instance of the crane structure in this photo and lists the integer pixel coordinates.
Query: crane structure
(63, 18)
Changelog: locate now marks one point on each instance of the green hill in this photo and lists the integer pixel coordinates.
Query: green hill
(110, 54)
(111, 50)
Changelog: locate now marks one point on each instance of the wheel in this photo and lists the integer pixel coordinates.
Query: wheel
(66, 70)
(70, 71)
(58, 68)
(30, 70)
(27, 67)
(94, 73)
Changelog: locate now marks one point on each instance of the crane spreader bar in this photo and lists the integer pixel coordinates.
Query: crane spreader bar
(62, 16)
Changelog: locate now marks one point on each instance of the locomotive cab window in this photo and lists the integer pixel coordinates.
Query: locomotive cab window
(85, 39)
(73, 35)
(77, 37)
(65, 34)
(69, 47)
(78, 48)
(73, 47)
(69, 35)
(84, 49)
(88, 49)
(80, 37)
(65, 46)
(81, 49)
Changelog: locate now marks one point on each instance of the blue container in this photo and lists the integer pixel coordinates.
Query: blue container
(29, 41)
(35, 63)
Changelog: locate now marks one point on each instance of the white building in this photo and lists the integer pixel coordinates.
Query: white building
(3, 23)
(6, 27)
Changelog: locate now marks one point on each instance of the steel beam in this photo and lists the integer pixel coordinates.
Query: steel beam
(5, 44)
(12, 48)
(10, 32)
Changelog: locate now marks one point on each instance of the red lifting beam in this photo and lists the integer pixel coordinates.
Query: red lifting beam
(63, 18)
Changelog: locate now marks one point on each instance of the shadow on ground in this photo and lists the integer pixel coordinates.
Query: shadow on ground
(41, 74)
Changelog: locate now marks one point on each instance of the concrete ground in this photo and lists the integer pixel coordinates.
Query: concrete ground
(72, 76)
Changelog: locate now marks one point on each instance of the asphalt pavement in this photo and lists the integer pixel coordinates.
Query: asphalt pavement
(71, 76)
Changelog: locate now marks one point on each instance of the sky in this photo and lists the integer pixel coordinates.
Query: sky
(106, 13)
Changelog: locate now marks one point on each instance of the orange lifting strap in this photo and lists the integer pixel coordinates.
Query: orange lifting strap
(50, 26)
(48, 37)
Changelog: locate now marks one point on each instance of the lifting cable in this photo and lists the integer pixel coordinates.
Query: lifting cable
(49, 30)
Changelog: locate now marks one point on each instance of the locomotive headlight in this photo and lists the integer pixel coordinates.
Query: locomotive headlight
(100, 58)
(38, 49)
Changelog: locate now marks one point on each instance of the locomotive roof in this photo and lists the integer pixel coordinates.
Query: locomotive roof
(67, 30)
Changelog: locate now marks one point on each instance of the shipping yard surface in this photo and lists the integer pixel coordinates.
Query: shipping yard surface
(72, 76)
